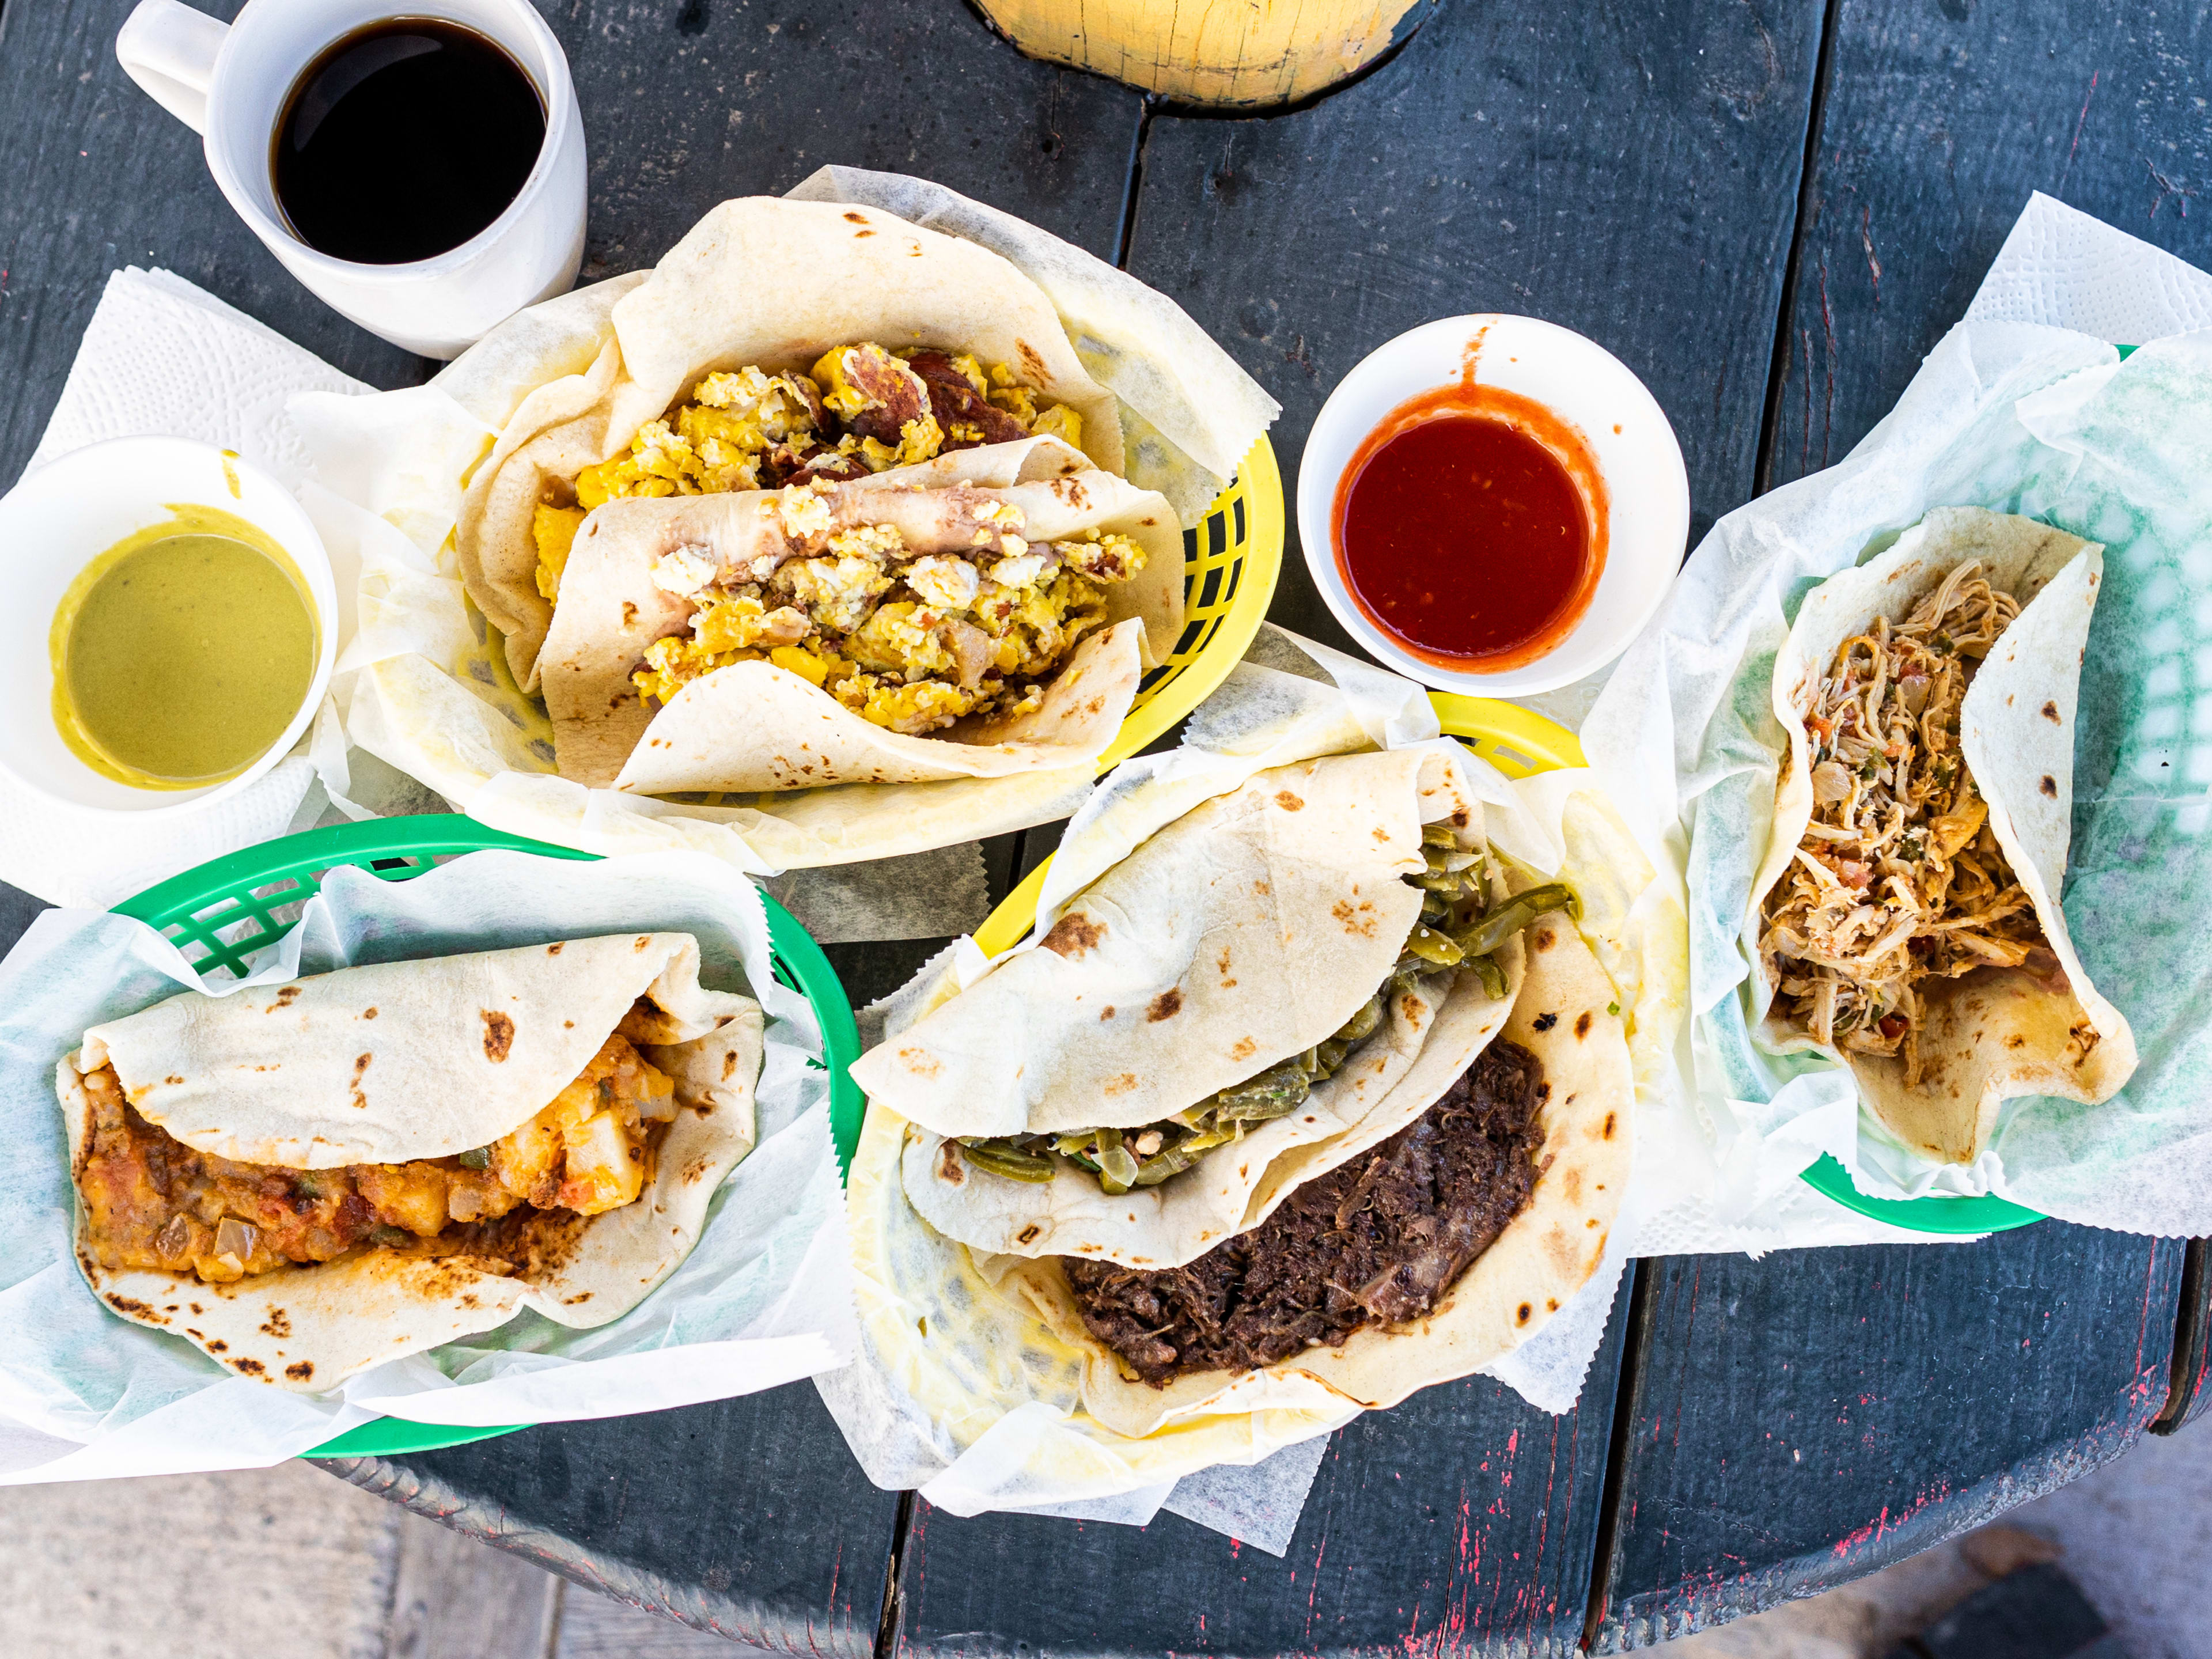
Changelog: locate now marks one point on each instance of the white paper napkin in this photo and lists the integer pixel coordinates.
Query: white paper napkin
(160, 356)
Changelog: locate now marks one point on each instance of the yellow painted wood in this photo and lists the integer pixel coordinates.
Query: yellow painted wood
(1236, 54)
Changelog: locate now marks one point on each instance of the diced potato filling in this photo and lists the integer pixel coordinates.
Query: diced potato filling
(152, 1202)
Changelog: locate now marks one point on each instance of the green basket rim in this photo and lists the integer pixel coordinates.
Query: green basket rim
(1948, 1215)
(425, 836)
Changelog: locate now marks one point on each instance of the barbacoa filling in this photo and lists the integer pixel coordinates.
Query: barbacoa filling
(911, 641)
(1376, 1241)
(1459, 926)
(152, 1202)
(1899, 878)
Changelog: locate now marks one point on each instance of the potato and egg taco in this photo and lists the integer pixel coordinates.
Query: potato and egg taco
(1232, 1010)
(310, 1179)
(836, 501)
(1907, 913)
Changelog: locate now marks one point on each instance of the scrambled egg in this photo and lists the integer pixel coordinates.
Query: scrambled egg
(910, 643)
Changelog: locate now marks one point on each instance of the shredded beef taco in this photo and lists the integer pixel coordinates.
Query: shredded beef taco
(307, 1180)
(1422, 1257)
(744, 548)
(1232, 1010)
(1907, 913)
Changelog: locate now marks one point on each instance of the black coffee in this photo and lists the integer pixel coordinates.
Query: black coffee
(405, 139)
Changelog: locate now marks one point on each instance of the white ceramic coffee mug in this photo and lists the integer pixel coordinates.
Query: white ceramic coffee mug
(229, 82)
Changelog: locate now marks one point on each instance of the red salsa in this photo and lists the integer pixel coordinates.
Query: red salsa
(1470, 526)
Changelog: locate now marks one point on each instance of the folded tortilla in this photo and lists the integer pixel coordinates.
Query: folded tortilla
(1243, 933)
(754, 727)
(765, 282)
(1996, 1032)
(1566, 1015)
(396, 1061)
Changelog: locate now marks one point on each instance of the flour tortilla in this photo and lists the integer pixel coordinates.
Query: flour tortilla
(461, 1051)
(758, 281)
(1446, 1020)
(1997, 1032)
(755, 728)
(1563, 1015)
(1245, 931)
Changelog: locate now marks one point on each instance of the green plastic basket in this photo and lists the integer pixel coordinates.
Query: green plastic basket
(228, 909)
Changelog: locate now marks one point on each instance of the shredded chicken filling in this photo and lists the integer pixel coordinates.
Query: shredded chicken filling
(1898, 879)
(152, 1202)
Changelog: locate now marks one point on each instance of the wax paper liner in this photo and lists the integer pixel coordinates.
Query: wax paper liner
(2019, 417)
(936, 1415)
(766, 1297)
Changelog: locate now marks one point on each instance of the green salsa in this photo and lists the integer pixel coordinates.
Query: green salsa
(182, 653)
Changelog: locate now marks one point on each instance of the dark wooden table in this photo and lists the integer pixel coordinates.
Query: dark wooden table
(1770, 210)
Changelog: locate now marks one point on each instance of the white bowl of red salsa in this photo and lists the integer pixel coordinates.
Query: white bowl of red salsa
(1494, 505)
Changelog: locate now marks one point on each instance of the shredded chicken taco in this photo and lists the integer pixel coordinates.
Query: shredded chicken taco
(1906, 916)
(307, 1180)
(1230, 1011)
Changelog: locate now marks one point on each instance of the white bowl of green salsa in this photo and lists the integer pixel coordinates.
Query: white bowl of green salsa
(175, 620)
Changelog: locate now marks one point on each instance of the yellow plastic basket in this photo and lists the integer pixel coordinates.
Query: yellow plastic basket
(1229, 565)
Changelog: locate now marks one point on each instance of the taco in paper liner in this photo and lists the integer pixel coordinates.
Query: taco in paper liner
(1232, 1009)
(1906, 915)
(307, 1179)
(1482, 1215)
(703, 642)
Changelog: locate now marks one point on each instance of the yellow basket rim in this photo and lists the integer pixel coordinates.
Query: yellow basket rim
(1518, 741)
(1262, 480)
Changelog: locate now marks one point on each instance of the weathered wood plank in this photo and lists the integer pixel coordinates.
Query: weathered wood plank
(1631, 172)
(1460, 1521)
(1939, 121)
(1803, 1419)
(2189, 1395)
(746, 1517)
(685, 102)
(453, 1599)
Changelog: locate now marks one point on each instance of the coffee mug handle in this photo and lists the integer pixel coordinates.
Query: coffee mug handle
(169, 50)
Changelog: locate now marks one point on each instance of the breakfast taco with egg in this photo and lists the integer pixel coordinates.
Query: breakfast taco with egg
(310, 1179)
(1474, 1201)
(1235, 1008)
(836, 501)
(1906, 915)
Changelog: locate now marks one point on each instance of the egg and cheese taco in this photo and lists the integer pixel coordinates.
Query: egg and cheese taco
(745, 538)
(307, 1180)
(1906, 915)
(1230, 1012)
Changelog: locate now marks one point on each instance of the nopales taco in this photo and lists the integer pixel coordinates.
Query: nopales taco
(1232, 1011)
(310, 1179)
(1906, 918)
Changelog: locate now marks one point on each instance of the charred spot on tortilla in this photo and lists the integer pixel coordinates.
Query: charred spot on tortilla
(1605, 1133)
(1544, 939)
(1350, 916)
(1544, 1022)
(368, 1014)
(278, 1324)
(300, 1370)
(498, 1035)
(218, 1345)
(630, 612)
(1028, 1234)
(1289, 802)
(554, 950)
(247, 1367)
(1243, 1048)
(1074, 936)
(1119, 1086)
(921, 1062)
(1521, 1316)
(285, 997)
(1166, 1006)
(951, 1167)
(1106, 1013)
(1402, 1222)
(135, 1309)
(1582, 1024)
(2049, 786)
